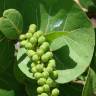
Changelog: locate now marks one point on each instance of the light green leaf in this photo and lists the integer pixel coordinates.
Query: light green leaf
(71, 40)
(11, 23)
(23, 61)
(72, 50)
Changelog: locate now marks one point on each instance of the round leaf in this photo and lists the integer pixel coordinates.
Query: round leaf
(11, 23)
(72, 50)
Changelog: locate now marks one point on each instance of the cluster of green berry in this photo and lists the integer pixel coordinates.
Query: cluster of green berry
(43, 65)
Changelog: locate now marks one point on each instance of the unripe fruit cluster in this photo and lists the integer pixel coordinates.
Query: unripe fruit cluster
(43, 64)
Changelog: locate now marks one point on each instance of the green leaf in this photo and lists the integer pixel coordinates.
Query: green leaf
(11, 23)
(71, 40)
(30, 13)
(94, 2)
(93, 74)
(9, 82)
(88, 88)
(71, 89)
(86, 3)
(52, 16)
(73, 50)
(56, 40)
(19, 75)
(6, 92)
(23, 62)
(93, 69)
(30, 87)
(6, 54)
(7, 4)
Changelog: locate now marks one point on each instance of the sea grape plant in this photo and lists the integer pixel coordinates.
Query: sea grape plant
(47, 48)
(43, 65)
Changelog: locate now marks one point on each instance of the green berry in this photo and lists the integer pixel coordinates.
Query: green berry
(23, 43)
(32, 28)
(49, 54)
(41, 39)
(39, 95)
(52, 63)
(35, 57)
(46, 88)
(50, 82)
(28, 45)
(22, 37)
(34, 69)
(30, 53)
(44, 46)
(40, 52)
(44, 58)
(33, 40)
(28, 35)
(55, 74)
(40, 90)
(33, 64)
(39, 67)
(41, 81)
(55, 92)
(37, 75)
(49, 69)
(44, 94)
(45, 74)
(39, 33)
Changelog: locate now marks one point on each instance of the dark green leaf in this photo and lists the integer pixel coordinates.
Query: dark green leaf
(6, 54)
(71, 89)
(30, 12)
(93, 69)
(9, 82)
(31, 87)
(88, 88)
(86, 3)
(93, 73)
(6, 92)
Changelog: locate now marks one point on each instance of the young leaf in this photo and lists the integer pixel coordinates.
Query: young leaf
(11, 23)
